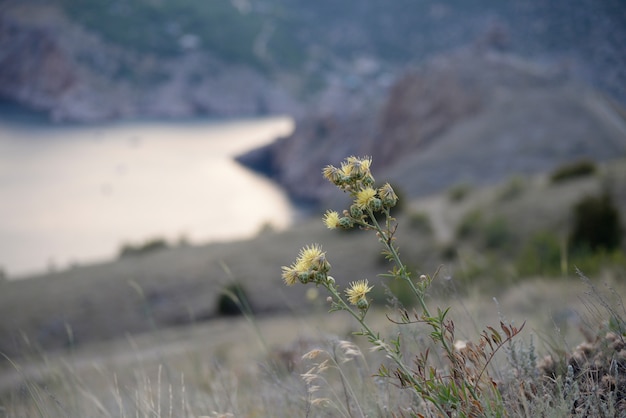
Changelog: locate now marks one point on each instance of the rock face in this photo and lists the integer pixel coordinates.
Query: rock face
(50, 64)
(471, 116)
(34, 69)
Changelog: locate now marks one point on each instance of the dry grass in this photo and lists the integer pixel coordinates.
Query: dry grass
(98, 340)
(252, 368)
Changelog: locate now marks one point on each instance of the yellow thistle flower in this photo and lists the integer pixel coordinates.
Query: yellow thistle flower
(331, 219)
(358, 167)
(290, 275)
(364, 197)
(332, 174)
(346, 168)
(357, 291)
(311, 258)
(387, 195)
(365, 163)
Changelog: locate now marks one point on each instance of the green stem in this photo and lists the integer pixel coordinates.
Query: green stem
(385, 238)
(394, 355)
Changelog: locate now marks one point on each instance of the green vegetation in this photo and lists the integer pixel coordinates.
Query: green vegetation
(573, 170)
(459, 379)
(513, 188)
(470, 225)
(233, 300)
(166, 28)
(150, 246)
(597, 224)
(542, 255)
(593, 243)
(459, 192)
(283, 34)
(463, 384)
(420, 222)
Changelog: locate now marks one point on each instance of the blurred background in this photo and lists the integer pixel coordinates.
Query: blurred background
(178, 146)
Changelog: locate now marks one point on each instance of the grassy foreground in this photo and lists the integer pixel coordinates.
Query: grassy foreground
(306, 362)
(243, 368)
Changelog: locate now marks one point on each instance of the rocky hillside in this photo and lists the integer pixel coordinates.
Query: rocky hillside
(53, 64)
(103, 59)
(472, 116)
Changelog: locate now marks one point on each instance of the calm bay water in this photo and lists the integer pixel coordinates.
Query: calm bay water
(76, 194)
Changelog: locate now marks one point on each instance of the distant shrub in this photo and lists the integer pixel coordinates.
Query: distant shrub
(595, 262)
(470, 224)
(420, 221)
(497, 234)
(596, 224)
(150, 246)
(232, 300)
(459, 192)
(449, 252)
(512, 189)
(572, 170)
(541, 255)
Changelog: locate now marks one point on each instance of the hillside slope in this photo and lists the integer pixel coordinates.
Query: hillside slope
(468, 117)
(102, 59)
(182, 285)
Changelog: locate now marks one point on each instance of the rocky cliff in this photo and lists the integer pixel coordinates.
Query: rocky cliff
(51, 64)
(473, 116)
(91, 60)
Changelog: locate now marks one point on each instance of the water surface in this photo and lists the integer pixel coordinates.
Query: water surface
(76, 194)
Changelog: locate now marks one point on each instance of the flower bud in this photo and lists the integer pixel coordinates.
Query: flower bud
(376, 204)
(320, 277)
(368, 180)
(346, 223)
(332, 174)
(304, 277)
(355, 211)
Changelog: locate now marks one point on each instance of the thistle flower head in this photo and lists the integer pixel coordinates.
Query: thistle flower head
(290, 275)
(331, 219)
(311, 257)
(311, 265)
(358, 291)
(333, 174)
(387, 195)
(364, 197)
(355, 167)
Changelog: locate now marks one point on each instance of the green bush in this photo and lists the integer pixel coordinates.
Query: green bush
(572, 170)
(470, 224)
(596, 225)
(595, 261)
(420, 221)
(497, 234)
(449, 252)
(232, 300)
(459, 192)
(512, 189)
(150, 246)
(541, 255)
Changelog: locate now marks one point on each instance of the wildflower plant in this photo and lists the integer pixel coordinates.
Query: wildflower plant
(464, 387)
